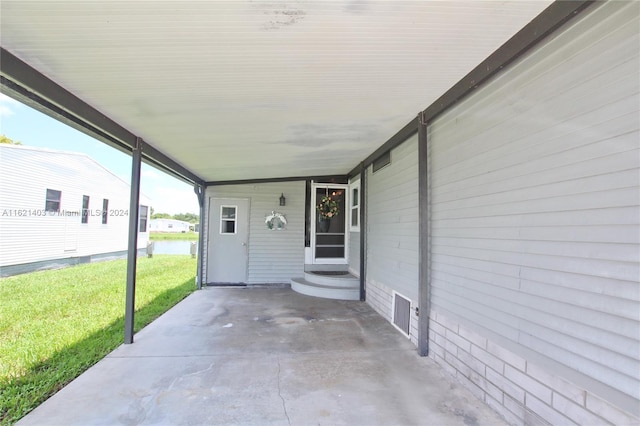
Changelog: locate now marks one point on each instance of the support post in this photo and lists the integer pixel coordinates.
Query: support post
(363, 232)
(132, 251)
(308, 213)
(200, 190)
(424, 241)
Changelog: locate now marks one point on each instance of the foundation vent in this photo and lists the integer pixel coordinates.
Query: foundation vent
(401, 313)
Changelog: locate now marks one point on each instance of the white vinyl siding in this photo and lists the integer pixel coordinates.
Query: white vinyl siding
(26, 173)
(392, 221)
(535, 195)
(354, 253)
(274, 256)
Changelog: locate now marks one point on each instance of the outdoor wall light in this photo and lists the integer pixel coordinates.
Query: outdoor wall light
(283, 200)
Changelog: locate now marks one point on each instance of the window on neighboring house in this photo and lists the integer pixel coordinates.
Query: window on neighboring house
(143, 218)
(382, 161)
(105, 210)
(354, 201)
(228, 219)
(85, 209)
(52, 203)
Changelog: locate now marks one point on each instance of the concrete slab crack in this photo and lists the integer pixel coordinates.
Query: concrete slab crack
(284, 405)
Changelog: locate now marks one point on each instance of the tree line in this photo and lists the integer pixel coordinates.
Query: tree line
(186, 217)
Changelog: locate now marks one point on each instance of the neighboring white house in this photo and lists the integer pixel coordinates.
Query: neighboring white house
(60, 208)
(534, 229)
(168, 225)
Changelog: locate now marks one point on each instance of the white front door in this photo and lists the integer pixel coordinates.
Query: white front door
(228, 250)
(329, 237)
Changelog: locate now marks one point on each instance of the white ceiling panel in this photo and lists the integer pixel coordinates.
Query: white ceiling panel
(257, 89)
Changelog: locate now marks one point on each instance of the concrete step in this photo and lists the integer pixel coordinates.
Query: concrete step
(340, 279)
(322, 267)
(303, 286)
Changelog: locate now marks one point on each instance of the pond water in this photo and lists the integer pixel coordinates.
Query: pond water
(172, 247)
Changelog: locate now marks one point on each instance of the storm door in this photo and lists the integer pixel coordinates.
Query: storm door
(329, 236)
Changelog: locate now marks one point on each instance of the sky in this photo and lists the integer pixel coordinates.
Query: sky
(22, 123)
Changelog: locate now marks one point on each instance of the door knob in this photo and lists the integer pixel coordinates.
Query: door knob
(244, 244)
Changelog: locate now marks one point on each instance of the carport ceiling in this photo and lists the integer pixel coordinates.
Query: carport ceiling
(240, 90)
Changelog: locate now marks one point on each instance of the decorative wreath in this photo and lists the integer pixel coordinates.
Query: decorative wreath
(275, 221)
(327, 208)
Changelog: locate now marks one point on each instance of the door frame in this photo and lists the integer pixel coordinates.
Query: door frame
(329, 260)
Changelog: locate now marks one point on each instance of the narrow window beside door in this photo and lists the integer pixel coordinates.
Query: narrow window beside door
(354, 223)
(228, 219)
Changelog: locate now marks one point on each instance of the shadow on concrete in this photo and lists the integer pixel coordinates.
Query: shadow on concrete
(21, 395)
(262, 356)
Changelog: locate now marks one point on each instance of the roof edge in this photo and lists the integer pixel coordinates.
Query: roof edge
(82, 155)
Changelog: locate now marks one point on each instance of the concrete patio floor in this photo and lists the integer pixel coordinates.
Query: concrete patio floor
(264, 356)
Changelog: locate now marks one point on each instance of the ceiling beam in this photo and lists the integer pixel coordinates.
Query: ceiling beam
(19, 80)
(343, 179)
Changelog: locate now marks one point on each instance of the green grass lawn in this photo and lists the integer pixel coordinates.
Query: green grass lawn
(56, 324)
(159, 236)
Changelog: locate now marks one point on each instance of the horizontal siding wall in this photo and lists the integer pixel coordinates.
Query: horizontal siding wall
(354, 253)
(26, 174)
(392, 222)
(535, 206)
(274, 256)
